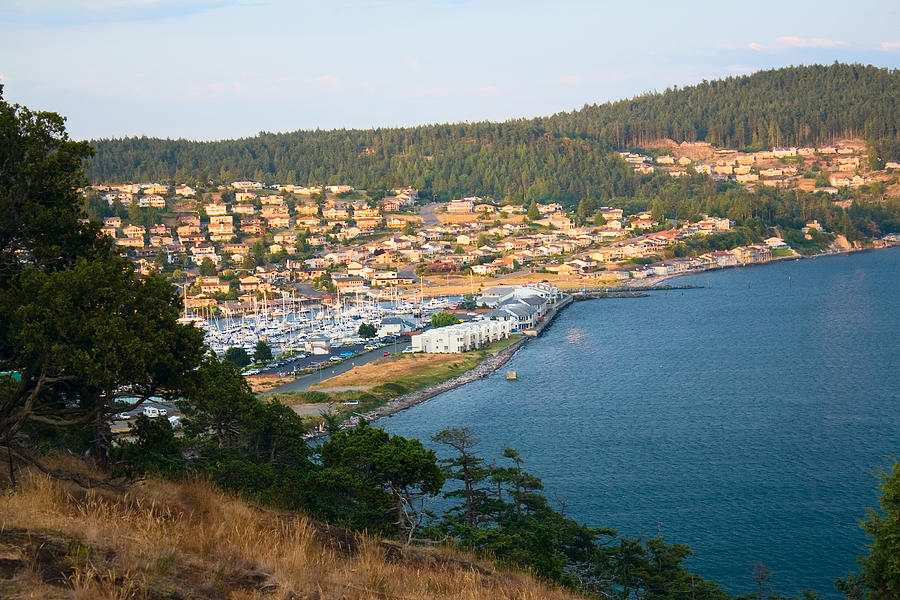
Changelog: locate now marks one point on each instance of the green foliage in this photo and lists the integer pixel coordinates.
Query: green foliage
(443, 319)
(75, 320)
(701, 244)
(313, 397)
(817, 241)
(152, 451)
(468, 302)
(324, 282)
(367, 330)
(642, 260)
(879, 576)
(372, 479)
(40, 171)
(244, 444)
(262, 353)
(238, 356)
(207, 267)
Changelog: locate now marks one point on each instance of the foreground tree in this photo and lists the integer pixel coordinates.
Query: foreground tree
(242, 443)
(81, 334)
(371, 479)
(469, 469)
(879, 576)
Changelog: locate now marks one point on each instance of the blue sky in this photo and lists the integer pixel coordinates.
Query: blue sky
(212, 69)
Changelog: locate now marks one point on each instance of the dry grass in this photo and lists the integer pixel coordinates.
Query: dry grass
(457, 285)
(165, 540)
(472, 218)
(393, 368)
(259, 383)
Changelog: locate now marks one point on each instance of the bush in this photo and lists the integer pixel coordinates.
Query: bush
(313, 397)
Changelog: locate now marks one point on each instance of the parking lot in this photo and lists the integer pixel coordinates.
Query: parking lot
(323, 367)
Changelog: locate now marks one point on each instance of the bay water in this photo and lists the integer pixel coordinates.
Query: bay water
(746, 418)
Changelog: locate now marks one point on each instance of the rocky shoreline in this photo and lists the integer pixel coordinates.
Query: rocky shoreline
(482, 370)
(492, 363)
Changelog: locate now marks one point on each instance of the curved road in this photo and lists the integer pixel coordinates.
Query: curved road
(304, 381)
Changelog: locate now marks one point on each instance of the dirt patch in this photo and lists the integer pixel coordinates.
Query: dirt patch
(454, 285)
(261, 383)
(384, 370)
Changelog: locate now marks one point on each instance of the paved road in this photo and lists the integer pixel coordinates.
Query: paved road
(427, 214)
(303, 382)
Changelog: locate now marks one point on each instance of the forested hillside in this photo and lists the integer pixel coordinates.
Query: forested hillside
(563, 157)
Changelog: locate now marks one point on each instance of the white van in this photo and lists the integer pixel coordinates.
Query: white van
(151, 412)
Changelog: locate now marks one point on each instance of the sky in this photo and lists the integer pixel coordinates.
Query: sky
(216, 69)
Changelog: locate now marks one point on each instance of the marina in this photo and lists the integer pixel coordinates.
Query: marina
(290, 326)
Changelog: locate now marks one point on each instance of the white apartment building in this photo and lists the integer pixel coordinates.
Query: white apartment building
(461, 337)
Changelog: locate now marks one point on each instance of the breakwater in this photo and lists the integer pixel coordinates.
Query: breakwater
(482, 370)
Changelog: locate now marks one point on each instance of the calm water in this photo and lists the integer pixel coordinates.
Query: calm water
(744, 419)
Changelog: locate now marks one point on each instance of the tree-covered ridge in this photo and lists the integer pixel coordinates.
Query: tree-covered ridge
(563, 157)
(797, 106)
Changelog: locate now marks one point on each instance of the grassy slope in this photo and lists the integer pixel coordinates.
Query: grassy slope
(382, 380)
(159, 539)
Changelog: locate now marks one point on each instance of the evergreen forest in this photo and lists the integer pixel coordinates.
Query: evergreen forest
(565, 157)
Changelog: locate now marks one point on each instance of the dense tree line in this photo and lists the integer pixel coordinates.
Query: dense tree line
(563, 157)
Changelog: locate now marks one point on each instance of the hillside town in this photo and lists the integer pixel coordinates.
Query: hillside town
(245, 249)
(826, 169)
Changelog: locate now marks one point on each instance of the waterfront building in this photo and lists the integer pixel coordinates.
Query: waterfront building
(461, 337)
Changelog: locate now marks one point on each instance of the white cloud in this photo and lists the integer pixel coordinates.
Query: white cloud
(414, 65)
(798, 42)
(488, 90)
(755, 46)
(890, 46)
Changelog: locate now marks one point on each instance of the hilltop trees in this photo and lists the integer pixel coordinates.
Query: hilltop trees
(80, 334)
(565, 157)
